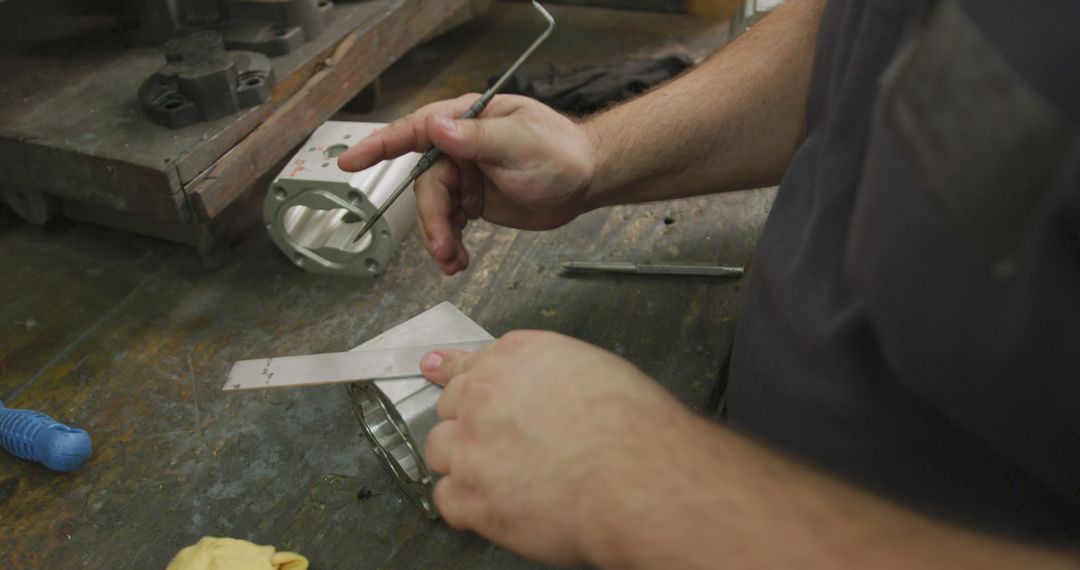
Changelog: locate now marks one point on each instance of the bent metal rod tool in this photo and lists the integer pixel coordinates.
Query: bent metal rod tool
(433, 155)
(336, 367)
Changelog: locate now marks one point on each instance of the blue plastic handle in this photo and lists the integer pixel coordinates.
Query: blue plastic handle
(37, 437)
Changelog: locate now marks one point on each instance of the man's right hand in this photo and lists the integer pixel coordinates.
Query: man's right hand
(520, 164)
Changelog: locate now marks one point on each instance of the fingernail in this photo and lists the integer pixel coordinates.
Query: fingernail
(431, 361)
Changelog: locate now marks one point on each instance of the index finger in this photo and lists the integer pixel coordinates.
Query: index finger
(405, 135)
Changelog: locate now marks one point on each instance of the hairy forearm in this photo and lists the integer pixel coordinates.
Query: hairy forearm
(732, 123)
(710, 498)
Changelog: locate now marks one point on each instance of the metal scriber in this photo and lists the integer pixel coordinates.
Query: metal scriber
(433, 155)
(683, 269)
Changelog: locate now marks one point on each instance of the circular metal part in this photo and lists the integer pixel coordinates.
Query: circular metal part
(397, 432)
(398, 415)
(35, 207)
(314, 211)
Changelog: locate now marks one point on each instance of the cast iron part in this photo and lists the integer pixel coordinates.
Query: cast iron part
(272, 27)
(201, 81)
(276, 27)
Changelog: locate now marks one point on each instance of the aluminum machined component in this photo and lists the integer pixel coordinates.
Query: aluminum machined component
(397, 415)
(314, 210)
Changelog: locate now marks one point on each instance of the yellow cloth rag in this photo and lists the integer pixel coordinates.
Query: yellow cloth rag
(230, 554)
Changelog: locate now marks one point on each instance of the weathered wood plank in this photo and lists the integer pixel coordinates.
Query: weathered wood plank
(33, 164)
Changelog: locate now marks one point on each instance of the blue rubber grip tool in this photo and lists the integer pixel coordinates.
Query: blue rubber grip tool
(37, 437)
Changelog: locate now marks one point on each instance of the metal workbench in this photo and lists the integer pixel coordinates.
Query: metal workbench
(130, 338)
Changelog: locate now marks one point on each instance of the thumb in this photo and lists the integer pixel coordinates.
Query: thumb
(490, 141)
(443, 365)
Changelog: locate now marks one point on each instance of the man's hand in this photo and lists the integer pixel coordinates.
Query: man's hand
(520, 164)
(534, 427)
(569, 454)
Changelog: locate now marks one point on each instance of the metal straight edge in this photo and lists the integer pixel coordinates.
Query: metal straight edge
(336, 367)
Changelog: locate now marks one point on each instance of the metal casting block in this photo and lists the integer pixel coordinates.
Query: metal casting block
(275, 27)
(314, 210)
(201, 81)
(271, 27)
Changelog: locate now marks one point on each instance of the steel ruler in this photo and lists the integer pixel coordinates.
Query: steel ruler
(330, 368)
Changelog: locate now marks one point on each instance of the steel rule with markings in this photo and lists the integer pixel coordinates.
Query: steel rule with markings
(336, 367)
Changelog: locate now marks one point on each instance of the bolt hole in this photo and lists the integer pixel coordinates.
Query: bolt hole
(172, 104)
(351, 218)
(668, 221)
(347, 137)
(298, 259)
(280, 193)
(335, 151)
(325, 164)
(384, 234)
(252, 81)
(356, 198)
(372, 265)
(324, 4)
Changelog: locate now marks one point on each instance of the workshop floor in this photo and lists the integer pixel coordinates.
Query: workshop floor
(130, 338)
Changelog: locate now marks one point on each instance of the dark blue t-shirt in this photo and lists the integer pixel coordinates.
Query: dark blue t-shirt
(913, 323)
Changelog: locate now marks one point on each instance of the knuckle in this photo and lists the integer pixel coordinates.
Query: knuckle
(444, 500)
(477, 391)
(514, 340)
(469, 469)
(496, 518)
(430, 447)
(434, 438)
(480, 134)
